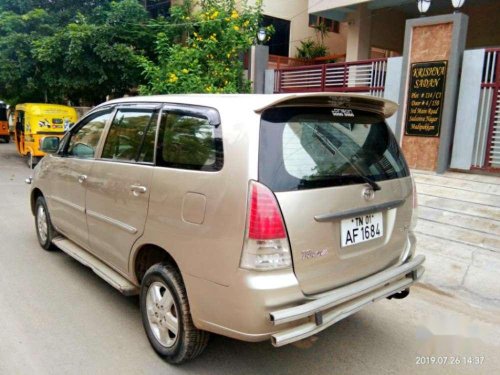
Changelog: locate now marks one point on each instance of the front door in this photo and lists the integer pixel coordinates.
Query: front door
(119, 185)
(68, 174)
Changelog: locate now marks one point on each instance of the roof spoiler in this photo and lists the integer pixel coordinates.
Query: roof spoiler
(383, 107)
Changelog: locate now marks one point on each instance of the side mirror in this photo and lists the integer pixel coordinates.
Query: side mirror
(50, 145)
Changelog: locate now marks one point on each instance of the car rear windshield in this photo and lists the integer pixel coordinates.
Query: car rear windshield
(307, 148)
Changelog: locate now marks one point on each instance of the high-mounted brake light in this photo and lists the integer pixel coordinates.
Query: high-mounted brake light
(266, 243)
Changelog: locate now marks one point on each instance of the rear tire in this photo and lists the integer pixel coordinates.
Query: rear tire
(167, 318)
(44, 229)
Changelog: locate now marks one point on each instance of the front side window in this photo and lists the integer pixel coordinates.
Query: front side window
(189, 142)
(83, 143)
(131, 136)
(306, 148)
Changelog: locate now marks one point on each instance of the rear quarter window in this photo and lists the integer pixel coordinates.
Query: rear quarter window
(305, 148)
(189, 141)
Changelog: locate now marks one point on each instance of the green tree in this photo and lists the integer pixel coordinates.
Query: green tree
(60, 50)
(89, 60)
(61, 10)
(200, 50)
(19, 72)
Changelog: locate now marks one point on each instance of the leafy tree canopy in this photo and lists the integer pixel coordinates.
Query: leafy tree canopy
(201, 49)
(60, 50)
(71, 50)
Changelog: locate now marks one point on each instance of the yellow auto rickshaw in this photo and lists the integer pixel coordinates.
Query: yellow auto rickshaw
(4, 124)
(35, 121)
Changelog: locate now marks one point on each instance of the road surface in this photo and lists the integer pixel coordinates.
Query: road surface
(58, 317)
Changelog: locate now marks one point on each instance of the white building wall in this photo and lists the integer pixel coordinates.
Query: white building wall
(297, 12)
(322, 5)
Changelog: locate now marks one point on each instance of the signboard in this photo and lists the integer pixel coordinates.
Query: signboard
(425, 98)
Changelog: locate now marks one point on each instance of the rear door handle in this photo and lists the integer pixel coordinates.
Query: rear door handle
(82, 178)
(138, 189)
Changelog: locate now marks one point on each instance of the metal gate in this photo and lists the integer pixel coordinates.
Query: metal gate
(487, 143)
(366, 76)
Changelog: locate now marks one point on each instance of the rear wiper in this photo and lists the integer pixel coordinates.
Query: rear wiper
(326, 142)
(369, 181)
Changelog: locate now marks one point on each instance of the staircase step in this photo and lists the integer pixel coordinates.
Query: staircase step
(478, 224)
(481, 178)
(452, 205)
(459, 195)
(100, 269)
(459, 184)
(461, 235)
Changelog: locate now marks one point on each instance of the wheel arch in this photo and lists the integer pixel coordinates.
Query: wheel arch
(35, 193)
(145, 256)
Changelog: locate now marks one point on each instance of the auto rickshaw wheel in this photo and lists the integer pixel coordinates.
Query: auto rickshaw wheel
(45, 232)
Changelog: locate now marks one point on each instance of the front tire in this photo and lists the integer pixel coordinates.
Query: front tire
(166, 316)
(44, 229)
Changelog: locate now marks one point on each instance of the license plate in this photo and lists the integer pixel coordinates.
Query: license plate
(361, 229)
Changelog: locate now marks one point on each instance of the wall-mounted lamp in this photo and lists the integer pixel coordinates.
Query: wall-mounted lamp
(423, 6)
(261, 35)
(457, 4)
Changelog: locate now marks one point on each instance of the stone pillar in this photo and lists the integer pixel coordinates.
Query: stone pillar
(359, 34)
(258, 61)
(432, 58)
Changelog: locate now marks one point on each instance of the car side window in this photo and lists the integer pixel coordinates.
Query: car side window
(189, 141)
(131, 136)
(83, 142)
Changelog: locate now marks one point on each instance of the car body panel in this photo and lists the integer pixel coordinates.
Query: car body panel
(116, 207)
(199, 218)
(319, 260)
(66, 195)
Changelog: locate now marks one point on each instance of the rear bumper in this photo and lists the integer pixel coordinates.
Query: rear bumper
(342, 302)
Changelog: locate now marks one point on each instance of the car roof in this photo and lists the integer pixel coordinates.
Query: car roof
(261, 102)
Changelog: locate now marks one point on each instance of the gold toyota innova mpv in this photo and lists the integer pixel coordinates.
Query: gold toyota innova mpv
(251, 216)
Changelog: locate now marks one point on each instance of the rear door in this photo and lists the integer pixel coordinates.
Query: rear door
(344, 190)
(120, 183)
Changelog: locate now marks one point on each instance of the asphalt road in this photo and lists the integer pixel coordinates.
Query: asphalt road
(58, 317)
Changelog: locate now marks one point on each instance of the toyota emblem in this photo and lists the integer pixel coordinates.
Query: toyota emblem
(368, 194)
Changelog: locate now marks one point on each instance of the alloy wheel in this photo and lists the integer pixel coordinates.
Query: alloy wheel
(162, 314)
(41, 222)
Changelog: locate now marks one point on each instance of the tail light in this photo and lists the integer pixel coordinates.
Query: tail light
(266, 244)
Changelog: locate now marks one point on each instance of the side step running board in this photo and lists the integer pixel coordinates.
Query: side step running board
(102, 270)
